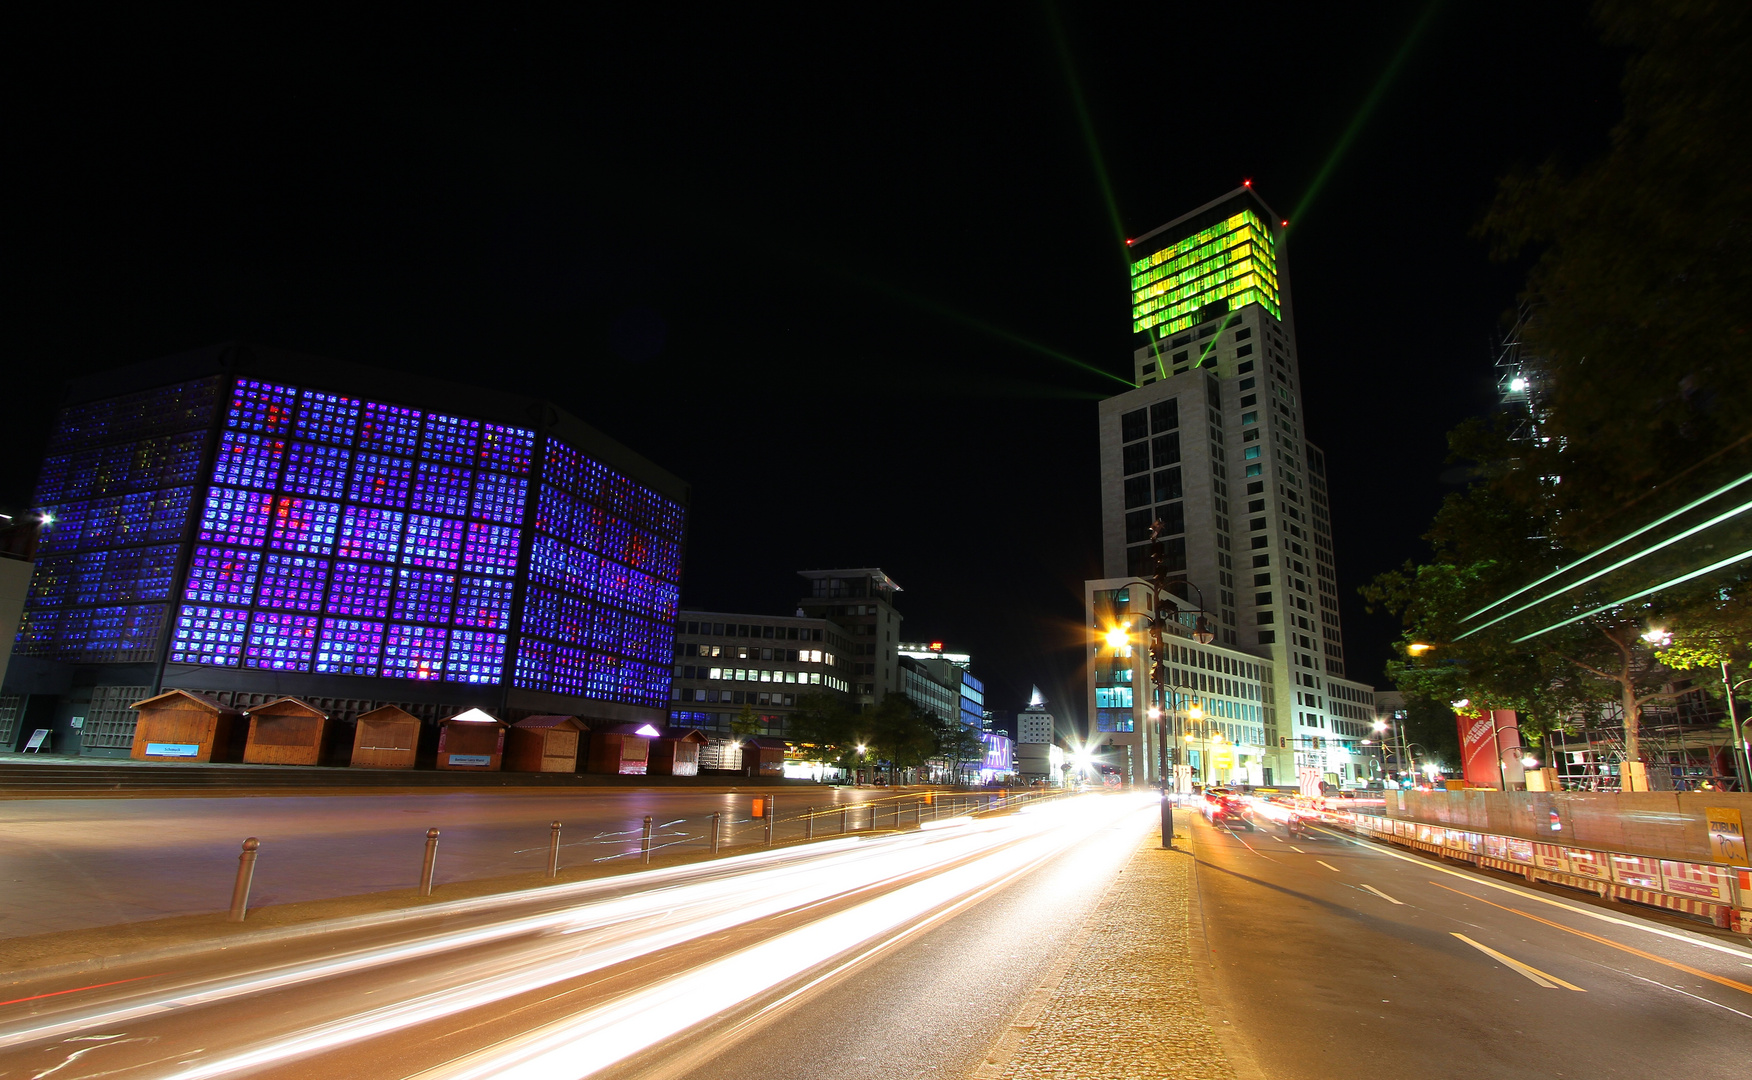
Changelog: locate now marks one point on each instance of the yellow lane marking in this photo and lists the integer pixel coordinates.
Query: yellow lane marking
(1687, 968)
(1550, 982)
(1297, 850)
(1328, 865)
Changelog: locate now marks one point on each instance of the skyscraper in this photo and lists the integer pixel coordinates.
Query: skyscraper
(1211, 443)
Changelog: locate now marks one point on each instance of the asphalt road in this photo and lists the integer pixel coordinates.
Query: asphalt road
(896, 956)
(1330, 957)
(68, 864)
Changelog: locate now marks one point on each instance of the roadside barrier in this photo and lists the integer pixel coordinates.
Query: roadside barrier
(1721, 894)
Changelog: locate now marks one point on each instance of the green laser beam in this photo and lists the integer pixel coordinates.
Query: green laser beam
(1680, 580)
(1658, 522)
(1626, 561)
(1087, 125)
(1368, 107)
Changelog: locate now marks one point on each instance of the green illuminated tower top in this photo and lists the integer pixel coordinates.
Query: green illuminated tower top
(1219, 258)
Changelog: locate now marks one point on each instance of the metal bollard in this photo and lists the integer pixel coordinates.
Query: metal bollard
(809, 824)
(769, 825)
(845, 819)
(431, 863)
(715, 817)
(245, 875)
(554, 851)
(645, 841)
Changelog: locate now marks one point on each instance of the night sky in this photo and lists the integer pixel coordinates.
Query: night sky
(854, 276)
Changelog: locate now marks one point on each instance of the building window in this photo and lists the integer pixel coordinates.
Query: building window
(1251, 453)
(1265, 618)
(1268, 637)
(1165, 415)
(1137, 492)
(1168, 485)
(1134, 425)
(1165, 450)
(1255, 469)
(1173, 519)
(1137, 457)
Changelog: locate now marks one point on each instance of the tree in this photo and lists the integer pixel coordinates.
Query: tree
(958, 744)
(825, 726)
(747, 723)
(900, 734)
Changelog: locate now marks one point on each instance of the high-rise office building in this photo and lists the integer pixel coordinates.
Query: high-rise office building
(1211, 444)
(862, 601)
(247, 523)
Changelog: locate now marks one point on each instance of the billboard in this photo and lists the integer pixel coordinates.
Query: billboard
(1490, 748)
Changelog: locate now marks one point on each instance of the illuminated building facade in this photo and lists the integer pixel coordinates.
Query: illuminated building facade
(1211, 443)
(247, 523)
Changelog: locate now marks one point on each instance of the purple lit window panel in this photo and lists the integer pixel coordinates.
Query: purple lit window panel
(616, 541)
(414, 652)
(208, 635)
(248, 461)
(441, 489)
(564, 467)
(592, 480)
(132, 523)
(483, 603)
(607, 630)
(86, 580)
(565, 567)
(541, 612)
(500, 498)
(305, 525)
(361, 589)
(327, 418)
(490, 549)
(124, 629)
(433, 542)
(424, 596)
(140, 573)
(261, 407)
(280, 642)
(605, 677)
(535, 664)
(235, 518)
(506, 449)
(389, 428)
(556, 513)
(170, 514)
(349, 647)
(571, 670)
(318, 471)
(101, 519)
(474, 656)
(450, 439)
(380, 480)
(292, 583)
(222, 576)
(374, 535)
(663, 557)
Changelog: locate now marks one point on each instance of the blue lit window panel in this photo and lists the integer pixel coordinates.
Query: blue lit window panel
(261, 407)
(450, 439)
(69, 527)
(110, 470)
(170, 514)
(208, 634)
(101, 521)
(424, 596)
(380, 480)
(87, 578)
(349, 647)
(441, 489)
(389, 429)
(74, 626)
(433, 542)
(361, 589)
(133, 519)
(506, 449)
(292, 583)
(414, 652)
(280, 642)
(328, 418)
(373, 535)
(535, 664)
(474, 656)
(249, 461)
(304, 525)
(317, 471)
(541, 612)
(141, 573)
(499, 498)
(483, 603)
(52, 581)
(224, 576)
(571, 670)
(235, 518)
(563, 467)
(39, 632)
(61, 478)
(120, 631)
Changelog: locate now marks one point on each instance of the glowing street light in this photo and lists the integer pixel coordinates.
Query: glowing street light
(1658, 637)
(1117, 638)
(1418, 648)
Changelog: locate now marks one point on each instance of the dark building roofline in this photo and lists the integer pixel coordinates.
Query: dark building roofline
(395, 387)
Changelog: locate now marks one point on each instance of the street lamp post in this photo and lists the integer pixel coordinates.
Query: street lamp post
(1744, 757)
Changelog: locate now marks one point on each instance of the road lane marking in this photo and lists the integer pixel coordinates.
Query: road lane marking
(1297, 850)
(1676, 990)
(1550, 982)
(1687, 968)
(77, 989)
(1476, 879)
(1279, 839)
(1384, 896)
(1328, 865)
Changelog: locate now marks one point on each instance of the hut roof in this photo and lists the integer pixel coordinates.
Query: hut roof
(387, 713)
(552, 721)
(472, 716)
(287, 706)
(202, 700)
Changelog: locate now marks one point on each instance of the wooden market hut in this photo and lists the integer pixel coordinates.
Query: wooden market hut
(763, 756)
(385, 738)
(285, 731)
(543, 744)
(676, 753)
(471, 741)
(623, 749)
(180, 726)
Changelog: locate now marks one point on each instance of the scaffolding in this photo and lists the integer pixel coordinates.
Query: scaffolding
(1684, 744)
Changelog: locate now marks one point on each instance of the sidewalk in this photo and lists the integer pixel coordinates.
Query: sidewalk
(1123, 1002)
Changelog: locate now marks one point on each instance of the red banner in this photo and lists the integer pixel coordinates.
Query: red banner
(1490, 748)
